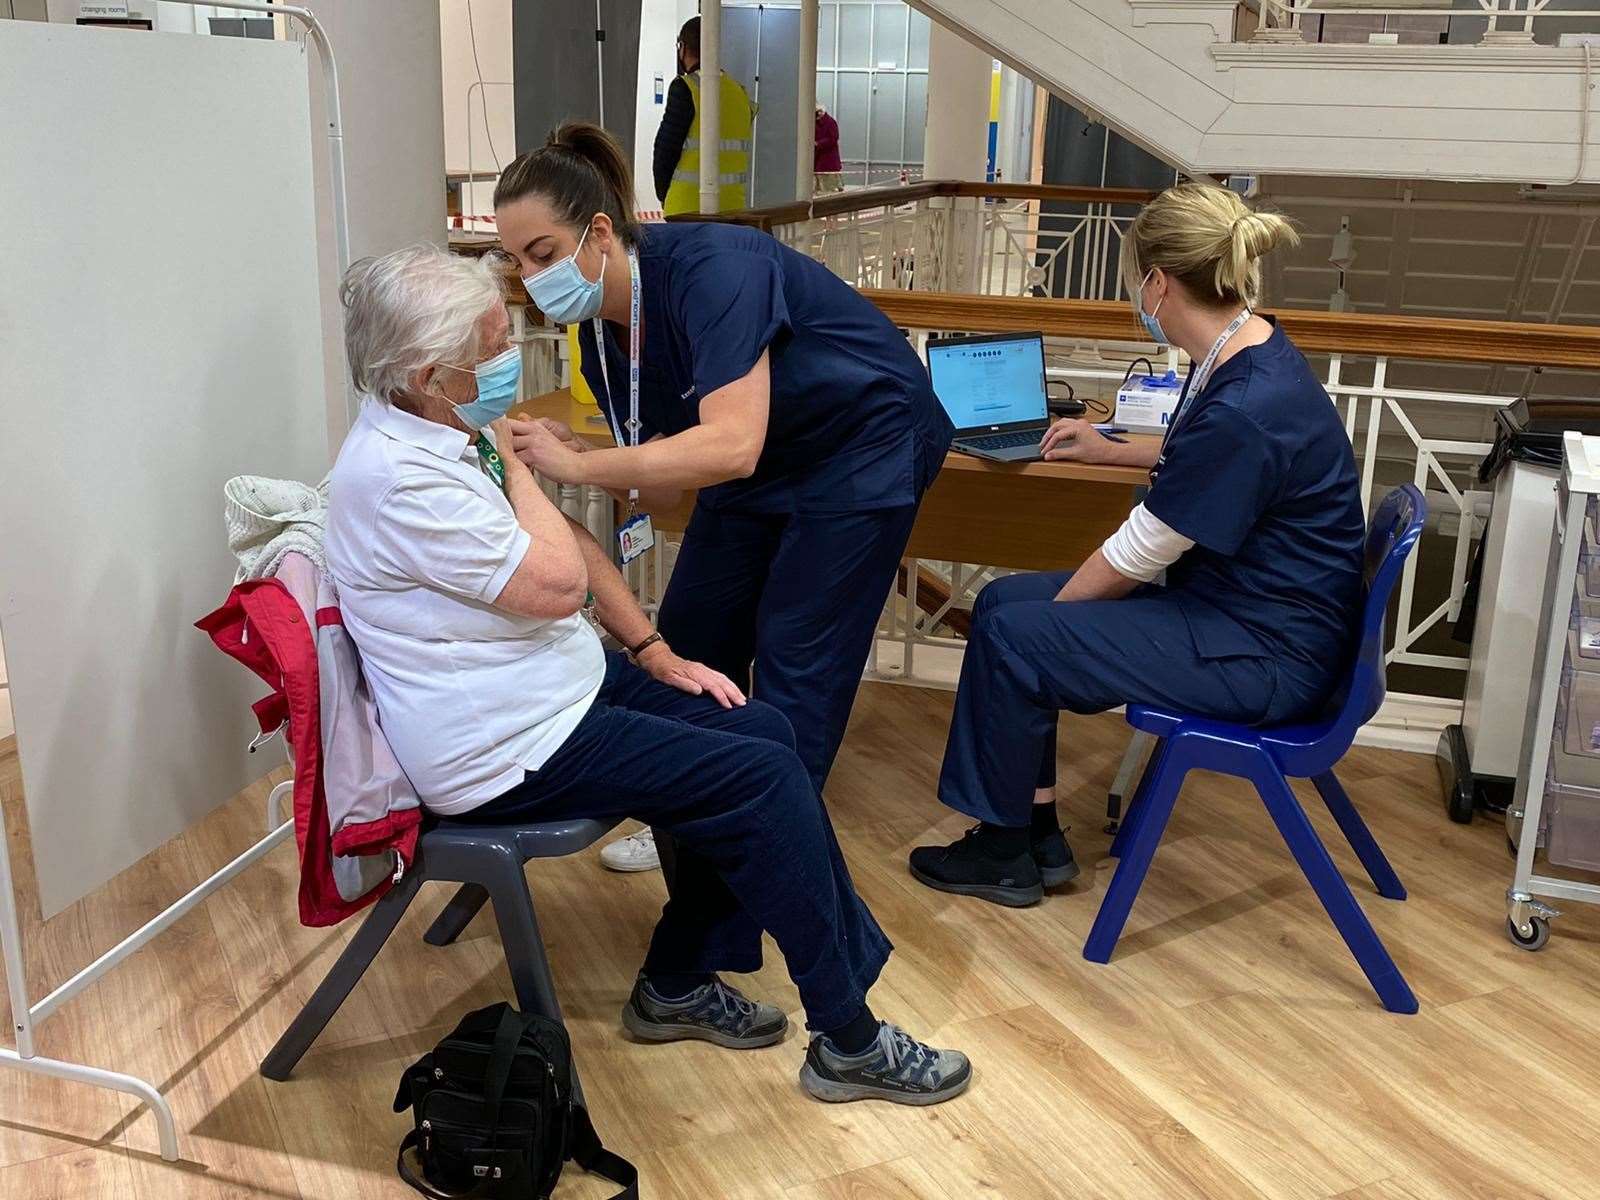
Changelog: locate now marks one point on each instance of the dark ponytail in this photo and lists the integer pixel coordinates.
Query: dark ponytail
(579, 171)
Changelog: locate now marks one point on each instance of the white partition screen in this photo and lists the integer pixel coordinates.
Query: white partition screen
(159, 332)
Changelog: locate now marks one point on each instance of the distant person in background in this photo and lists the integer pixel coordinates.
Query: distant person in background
(829, 171)
(677, 152)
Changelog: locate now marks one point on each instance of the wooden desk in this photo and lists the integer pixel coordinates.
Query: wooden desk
(1028, 516)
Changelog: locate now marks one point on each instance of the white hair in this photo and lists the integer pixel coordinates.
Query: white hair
(412, 309)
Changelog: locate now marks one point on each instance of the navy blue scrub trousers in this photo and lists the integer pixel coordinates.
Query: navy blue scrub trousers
(798, 595)
(726, 785)
(1029, 656)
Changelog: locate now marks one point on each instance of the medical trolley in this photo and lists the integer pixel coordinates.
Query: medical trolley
(1556, 807)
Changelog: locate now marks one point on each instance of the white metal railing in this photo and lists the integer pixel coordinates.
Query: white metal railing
(973, 245)
(1029, 252)
(1504, 16)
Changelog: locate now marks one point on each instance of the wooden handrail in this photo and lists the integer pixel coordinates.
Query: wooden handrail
(1432, 338)
(856, 200)
(1052, 191)
(865, 199)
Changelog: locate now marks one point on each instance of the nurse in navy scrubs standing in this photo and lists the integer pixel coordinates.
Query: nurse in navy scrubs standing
(801, 414)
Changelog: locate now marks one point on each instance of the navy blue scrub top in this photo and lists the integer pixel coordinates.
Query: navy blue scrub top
(853, 422)
(1258, 471)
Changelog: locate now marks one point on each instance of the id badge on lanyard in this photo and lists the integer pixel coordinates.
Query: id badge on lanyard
(1197, 381)
(636, 534)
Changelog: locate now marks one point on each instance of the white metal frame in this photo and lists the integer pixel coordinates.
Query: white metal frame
(1523, 910)
(1287, 14)
(25, 1015)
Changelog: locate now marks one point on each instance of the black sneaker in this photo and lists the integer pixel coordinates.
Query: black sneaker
(896, 1067)
(713, 1012)
(1053, 857)
(968, 868)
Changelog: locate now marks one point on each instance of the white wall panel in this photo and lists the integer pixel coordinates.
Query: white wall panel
(162, 338)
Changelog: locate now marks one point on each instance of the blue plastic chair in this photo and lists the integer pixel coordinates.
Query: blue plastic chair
(1268, 757)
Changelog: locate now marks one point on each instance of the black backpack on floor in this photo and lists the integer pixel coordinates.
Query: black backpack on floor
(495, 1114)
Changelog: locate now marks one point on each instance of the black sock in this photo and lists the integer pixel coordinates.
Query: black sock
(856, 1035)
(1002, 841)
(1044, 820)
(669, 985)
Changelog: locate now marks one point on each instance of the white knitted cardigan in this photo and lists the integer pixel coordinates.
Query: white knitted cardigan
(269, 518)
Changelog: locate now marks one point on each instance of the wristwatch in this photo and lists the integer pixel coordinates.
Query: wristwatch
(635, 651)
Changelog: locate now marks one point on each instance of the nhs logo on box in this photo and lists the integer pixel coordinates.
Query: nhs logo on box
(1145, 404)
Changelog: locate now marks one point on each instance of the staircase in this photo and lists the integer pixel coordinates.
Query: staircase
(1173, 76)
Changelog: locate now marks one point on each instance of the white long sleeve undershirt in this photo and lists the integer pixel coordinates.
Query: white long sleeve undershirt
(1144, 547)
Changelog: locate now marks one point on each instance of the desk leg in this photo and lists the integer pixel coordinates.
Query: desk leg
(884, 617)
(1131, 758)
(913, 573)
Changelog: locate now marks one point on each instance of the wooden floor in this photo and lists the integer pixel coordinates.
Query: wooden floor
(1231, 1050)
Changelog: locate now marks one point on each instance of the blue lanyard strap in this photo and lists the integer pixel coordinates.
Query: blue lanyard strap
(633, 368)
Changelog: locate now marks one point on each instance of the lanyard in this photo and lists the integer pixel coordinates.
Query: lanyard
(633, 369)
(1202, 374)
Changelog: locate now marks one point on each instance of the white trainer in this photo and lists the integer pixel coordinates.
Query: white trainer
(636, 852)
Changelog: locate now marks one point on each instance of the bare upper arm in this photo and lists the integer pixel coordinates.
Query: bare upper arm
(551, 581)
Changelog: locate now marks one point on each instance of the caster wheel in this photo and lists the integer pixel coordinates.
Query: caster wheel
(1541, 934)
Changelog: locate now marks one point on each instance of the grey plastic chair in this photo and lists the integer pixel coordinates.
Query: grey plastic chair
(488, 862)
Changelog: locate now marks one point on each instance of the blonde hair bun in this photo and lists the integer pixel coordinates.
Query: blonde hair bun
(1208, 238)
(1252, 236)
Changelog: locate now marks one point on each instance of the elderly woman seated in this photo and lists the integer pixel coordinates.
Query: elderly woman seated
(463, 588)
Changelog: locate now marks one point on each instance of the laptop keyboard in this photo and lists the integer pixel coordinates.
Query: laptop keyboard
(1004, 441)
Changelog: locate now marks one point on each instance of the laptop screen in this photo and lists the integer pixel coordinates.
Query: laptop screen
(984, 382)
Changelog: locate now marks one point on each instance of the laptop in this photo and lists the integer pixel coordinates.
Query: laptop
(992, 387)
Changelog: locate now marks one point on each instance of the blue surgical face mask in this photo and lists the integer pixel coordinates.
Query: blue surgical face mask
(1148, 320)
(561, 291)
(497, 389)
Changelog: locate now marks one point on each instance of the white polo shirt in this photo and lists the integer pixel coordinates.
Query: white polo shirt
(420, 542)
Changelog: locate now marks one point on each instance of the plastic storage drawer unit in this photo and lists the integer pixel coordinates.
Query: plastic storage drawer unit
(1572, 838)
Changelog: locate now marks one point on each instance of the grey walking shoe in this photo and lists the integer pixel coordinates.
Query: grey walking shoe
(713, 1012)
(897, 1068)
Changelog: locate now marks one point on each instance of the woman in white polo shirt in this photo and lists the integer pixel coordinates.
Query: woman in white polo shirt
(462, 586)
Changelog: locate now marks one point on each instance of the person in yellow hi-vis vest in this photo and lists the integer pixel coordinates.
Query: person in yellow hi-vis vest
(677, 150)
